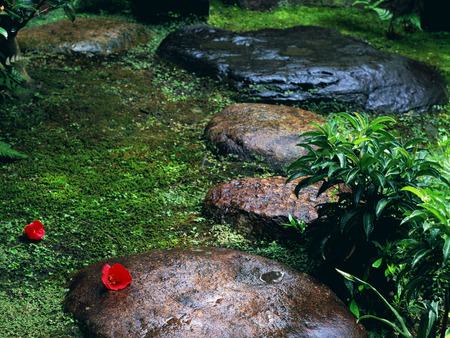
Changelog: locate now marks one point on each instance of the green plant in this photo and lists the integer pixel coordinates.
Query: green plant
(369, 167)
(7, 152)
(298, 224)
(17, 13)
(427, 327)
(386, 15)
(428, 253)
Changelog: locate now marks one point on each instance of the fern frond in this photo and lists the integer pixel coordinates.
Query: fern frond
(413, 19)
(7, 152)
(383, 14)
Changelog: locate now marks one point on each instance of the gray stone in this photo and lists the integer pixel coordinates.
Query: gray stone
(259, 207)
(261, 131)
(84, 36)
(307, 63)
(207, 292)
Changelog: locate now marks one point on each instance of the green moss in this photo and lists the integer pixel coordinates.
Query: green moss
(117, 163)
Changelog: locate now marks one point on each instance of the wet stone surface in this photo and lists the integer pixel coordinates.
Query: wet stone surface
(88, 36)
(307, 63)
(207, 292)
(260, 206)
(261, 131)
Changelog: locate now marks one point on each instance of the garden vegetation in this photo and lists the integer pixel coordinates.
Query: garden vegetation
(108, 155)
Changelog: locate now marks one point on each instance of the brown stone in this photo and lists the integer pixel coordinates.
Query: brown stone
(260, 206)
(207, 292)
(262, 131)
(84, 36)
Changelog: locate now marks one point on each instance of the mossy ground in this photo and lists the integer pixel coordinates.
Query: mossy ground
(117, 163)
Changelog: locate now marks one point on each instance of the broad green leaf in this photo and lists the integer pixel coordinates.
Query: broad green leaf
(446, 249)
(367, 160)
(414, 141)
(309, 134)
(377, 263)
(307, 182)
(403, 151)
(416, 215)
(351, 175)
(419, 255)
(421, 193)
(381, 120)
(349, 118)
(437, 212)
(361, 140)
(298, 175)
(368, 224)
(380, 206)
(378, 178)
(354, 308)
(4, 32)
(341, 157)
(358, 192)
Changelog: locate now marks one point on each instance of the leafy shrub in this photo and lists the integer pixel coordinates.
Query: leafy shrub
(368, 167)
(427, 254)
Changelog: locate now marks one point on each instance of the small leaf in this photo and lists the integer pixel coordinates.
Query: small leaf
(4, 32)
(446, 249)
(354, 308)
(380, 206)
(351, 175)
(416, 215)
(368, 224)
(377, 263)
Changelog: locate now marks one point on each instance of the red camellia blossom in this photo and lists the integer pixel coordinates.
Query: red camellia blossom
(35, 230)
(116, 277)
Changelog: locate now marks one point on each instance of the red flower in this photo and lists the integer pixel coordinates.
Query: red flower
(115, 277)
(35, 230)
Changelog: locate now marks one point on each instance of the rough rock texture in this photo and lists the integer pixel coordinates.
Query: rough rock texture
(260, 206)
(261, 131)
(84, 36)
(307, 63)
(208, 292)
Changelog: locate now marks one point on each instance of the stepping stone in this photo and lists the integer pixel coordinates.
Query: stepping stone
(261, 131)
(84, 36)
(260, 206)
(207, 292)
(307, 64)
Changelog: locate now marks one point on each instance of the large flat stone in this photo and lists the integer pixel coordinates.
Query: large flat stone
(97, 36)
(261, 131)
(207, 292)
(259, 207)
(307, 63)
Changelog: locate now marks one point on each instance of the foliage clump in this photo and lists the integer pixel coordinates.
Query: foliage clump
(378, 179)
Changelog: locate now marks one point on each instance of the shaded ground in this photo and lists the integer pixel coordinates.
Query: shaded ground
(117, 164)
